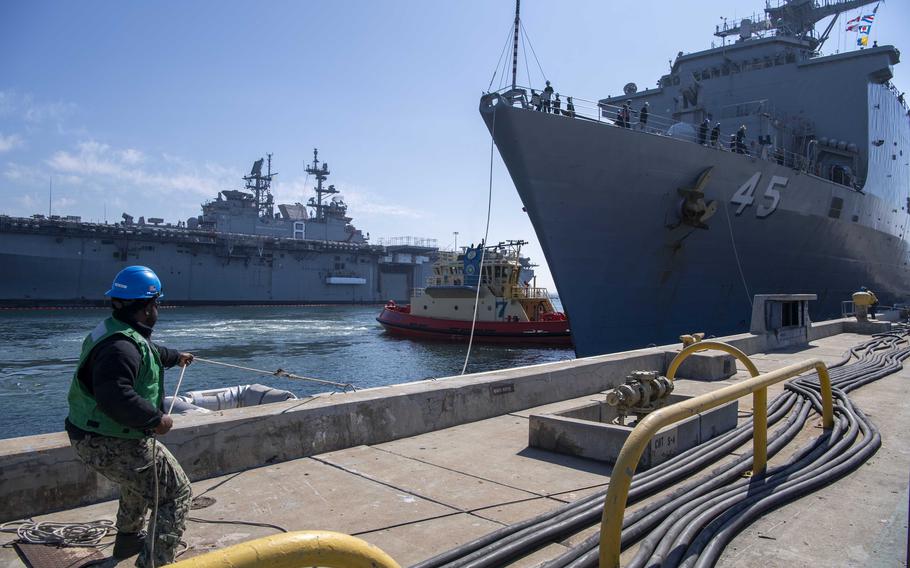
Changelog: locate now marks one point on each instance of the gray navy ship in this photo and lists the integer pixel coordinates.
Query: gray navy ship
(239, 251)
(661, 226)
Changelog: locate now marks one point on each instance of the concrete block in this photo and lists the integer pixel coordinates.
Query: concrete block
(712, 424)
(893, 316)
(574, 437)
(868, 327)
(748, 343)
(767, 317)
(823, 329)
(704, 366)
(581, 432)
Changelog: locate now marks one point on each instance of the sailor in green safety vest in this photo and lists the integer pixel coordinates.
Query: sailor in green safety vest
(115, 409)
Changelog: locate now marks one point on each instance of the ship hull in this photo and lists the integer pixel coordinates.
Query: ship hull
(417, 327)
(75, 266)
(604, 203)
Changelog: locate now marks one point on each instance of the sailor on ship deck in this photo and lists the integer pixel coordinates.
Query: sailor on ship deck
(740, 141)
(546, 96)
(570, 108)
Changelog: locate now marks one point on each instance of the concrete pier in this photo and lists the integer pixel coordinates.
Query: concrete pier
(417, 469)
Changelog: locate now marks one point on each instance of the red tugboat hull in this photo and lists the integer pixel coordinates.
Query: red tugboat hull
(401, 323)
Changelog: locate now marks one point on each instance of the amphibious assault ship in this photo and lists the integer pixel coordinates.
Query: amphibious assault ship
(654, 227)
(239, 251)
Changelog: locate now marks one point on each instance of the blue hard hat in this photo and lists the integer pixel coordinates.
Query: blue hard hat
(135, 282)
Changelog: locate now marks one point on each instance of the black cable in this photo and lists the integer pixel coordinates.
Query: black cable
(229, 522)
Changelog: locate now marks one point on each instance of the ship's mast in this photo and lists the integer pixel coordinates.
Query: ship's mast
(260, 186)
(321, 174)
(796, 18)
(515, 46)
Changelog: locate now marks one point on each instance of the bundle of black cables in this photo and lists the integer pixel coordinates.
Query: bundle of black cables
(691, 525)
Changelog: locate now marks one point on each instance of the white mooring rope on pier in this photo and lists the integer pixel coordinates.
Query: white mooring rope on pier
(278, 373)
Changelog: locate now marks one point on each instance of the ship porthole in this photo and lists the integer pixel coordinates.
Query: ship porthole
(456, 308)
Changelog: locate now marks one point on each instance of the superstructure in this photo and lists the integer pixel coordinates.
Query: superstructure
(656, 228)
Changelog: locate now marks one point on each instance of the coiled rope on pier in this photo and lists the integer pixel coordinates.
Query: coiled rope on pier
(62, 534)
(691, 525)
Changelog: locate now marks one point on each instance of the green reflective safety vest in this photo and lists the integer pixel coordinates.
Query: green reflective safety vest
(149, 384)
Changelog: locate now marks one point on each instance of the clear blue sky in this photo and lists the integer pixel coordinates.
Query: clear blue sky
(153, 107)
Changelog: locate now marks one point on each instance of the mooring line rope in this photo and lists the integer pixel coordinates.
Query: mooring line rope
(736, 254)
(278, 373)
(483, 247)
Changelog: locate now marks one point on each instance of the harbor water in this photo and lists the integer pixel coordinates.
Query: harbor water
(39, 350)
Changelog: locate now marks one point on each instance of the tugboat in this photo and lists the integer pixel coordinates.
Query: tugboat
(509, 308)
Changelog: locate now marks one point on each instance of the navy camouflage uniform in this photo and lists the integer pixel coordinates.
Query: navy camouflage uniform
(115, 403)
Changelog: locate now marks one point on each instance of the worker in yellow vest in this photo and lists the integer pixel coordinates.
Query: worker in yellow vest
(864, 303)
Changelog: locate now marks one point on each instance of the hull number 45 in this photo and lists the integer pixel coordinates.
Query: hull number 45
(745, 195)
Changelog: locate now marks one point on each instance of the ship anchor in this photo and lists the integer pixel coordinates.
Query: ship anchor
(693, 209)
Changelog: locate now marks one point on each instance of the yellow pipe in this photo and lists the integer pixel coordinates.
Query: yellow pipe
(704, 346)
(824, 381)
(629, 455)
(296, 550)
(759, 398)
(759, 431)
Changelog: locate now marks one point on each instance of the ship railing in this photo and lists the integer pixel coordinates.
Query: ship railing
(455, 280)
(407, 241)
(256, 243)
(529, 292)
(847, 309)
(656, 124)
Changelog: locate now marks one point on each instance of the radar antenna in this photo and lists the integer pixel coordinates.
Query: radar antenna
(260, 185)
(795, 18)
(321, 174)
